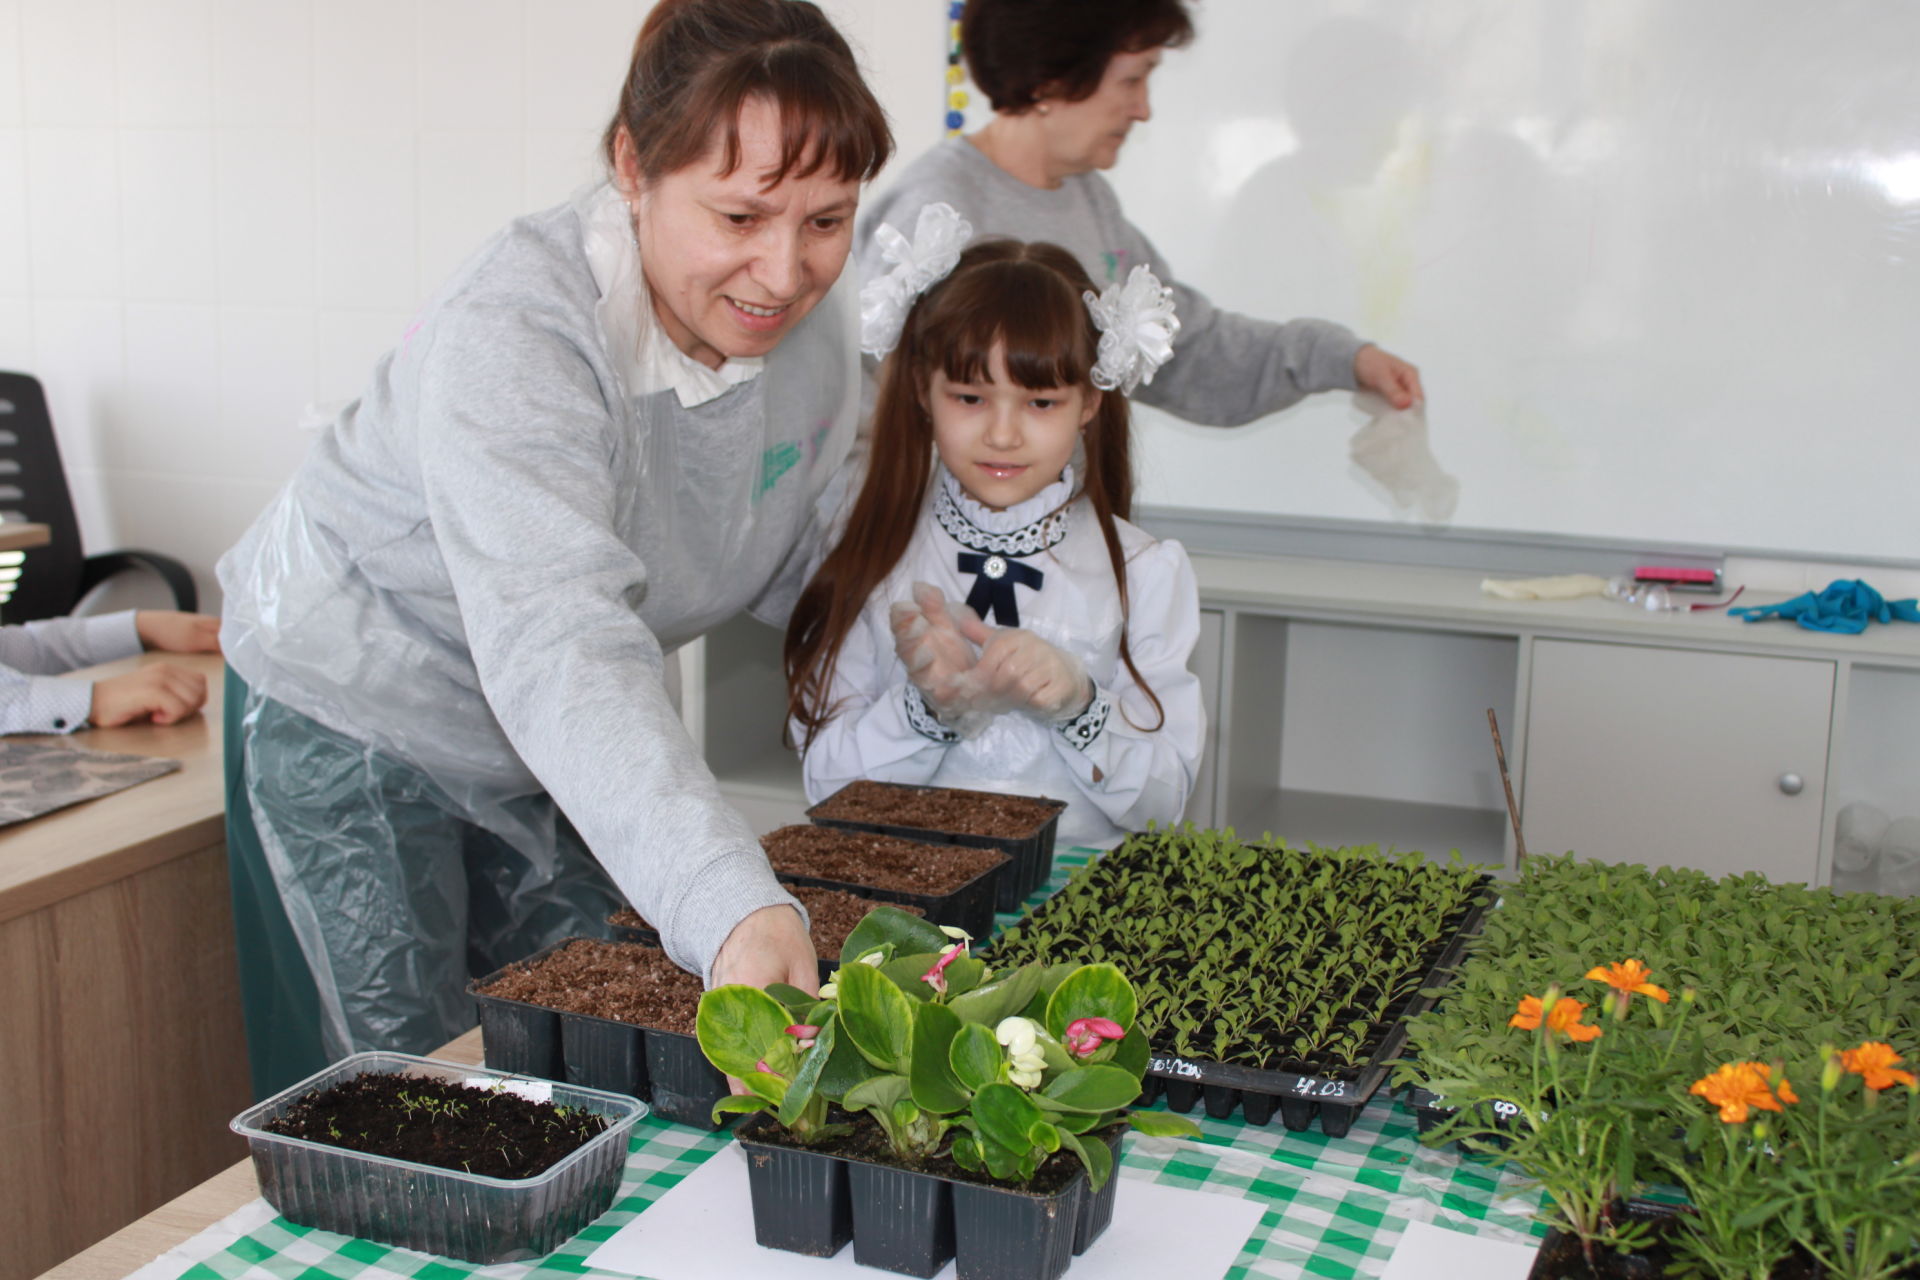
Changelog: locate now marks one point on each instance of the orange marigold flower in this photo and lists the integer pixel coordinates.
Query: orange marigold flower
(1628, 975)
(1565, 1016)
(1738, 1087)
(1873, 1062)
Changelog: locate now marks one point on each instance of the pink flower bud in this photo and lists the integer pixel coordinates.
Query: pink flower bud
(936, 977)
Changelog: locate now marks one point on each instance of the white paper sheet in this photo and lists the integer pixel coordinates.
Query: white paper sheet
(703, 1230)
(1427, 1252)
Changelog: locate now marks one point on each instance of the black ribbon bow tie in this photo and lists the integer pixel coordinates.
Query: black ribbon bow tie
(993, 588)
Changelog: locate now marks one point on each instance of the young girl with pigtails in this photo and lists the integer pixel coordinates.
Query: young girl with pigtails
(988, 618)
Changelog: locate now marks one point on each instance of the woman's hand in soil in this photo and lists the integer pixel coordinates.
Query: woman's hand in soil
(160, 692)
(1018, 671)
(770, 945)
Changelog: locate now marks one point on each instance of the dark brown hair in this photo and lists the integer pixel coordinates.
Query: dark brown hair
(1019, 51)
(1029, 300)
(696, 62)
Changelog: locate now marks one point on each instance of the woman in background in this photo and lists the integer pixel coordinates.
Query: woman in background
(1068, 80)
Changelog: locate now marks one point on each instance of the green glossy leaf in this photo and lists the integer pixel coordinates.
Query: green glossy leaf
(738, 1027)
(1006, 1116)
(884, 926)
(1161, 1124)
(1094, 1089)
(806, 1081)
(878, 1094)
(877, 1016)
(736, 1104)
(976, 1057)
(1000, 1162)
(1002, 998)
(771, 1088)
(966, 1154)
(1092, 991)
(1094, 1154)
(845, 1066)
(793, 998)
(909, 973)
(935, 1087)
(1131, 1054)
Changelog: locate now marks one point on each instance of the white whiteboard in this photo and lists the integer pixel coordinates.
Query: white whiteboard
(1658, 260)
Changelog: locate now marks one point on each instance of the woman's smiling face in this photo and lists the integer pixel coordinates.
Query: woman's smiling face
(732, 263)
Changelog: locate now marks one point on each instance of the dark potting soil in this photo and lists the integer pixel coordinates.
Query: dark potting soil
(869, 1142)
(833, 913)
(623, 981)
(1561, 1258)
(885, 862)
(492, 1132)
(974, 813)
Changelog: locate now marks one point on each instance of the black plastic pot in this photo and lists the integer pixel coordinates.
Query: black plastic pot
(666, 1068)
(1560, 1257)
(802, 1200)
(1096, 1207)
(969, 907)
(902, 1220)
(1031, 855)
(1004, 1233)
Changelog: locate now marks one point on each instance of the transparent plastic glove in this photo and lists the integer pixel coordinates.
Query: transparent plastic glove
(929, 640)
(1018, 671)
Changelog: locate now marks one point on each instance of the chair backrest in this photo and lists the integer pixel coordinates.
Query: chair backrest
(33, 487)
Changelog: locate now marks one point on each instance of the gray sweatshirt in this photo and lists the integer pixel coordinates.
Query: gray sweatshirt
(481, 563)
(1227, 368)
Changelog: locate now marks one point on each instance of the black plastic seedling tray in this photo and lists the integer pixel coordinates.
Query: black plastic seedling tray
(1031, 855)
(1300, 1099)
(665, 1068)
(647, 936)
(969, 907)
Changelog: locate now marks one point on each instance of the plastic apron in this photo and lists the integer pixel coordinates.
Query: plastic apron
(375, 798)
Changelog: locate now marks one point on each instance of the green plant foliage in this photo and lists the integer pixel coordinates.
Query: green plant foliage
(945, 1055)
(1259, 955)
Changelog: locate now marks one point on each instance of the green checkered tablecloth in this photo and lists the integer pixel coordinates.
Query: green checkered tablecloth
(1336, 1207)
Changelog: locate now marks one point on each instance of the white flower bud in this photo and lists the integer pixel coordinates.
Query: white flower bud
(1025, 1079)
(1016, 1033)
(959, 935)
(828, 990)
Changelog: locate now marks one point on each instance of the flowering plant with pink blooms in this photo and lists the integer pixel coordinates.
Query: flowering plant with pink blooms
(948, 1057)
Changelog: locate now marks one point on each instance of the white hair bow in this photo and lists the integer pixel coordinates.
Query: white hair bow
(1137, 328)
(938, 237)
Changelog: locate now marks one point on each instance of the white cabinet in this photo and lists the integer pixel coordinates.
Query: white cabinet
(1677, 757)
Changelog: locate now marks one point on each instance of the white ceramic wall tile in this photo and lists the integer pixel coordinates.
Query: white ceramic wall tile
(364, 216)
(66, 61)
(559, 163)
(347, 344)
(266, 381)
(263, 193)
(471, 184)
(164, 63)
(365, 72)
(167, 417)
(16, 334)
(576, 58)
(194, 519)
(262, 63)
(73, 213)
(11, 115)
(15, 279)
(471, 74)
(167, 217)
(77, 347)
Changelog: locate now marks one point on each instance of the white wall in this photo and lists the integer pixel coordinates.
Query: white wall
(213, 212)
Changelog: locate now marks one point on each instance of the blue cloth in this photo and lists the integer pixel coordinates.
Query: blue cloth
(1845, 607)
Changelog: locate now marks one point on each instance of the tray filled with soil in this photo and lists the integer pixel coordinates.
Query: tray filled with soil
(1269, 978)
(832, 914)
(605, 1015)
(460, 1161)
(1022, 827)
(949, 883)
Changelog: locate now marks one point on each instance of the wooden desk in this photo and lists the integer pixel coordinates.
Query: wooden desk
(180, 1220)
(122, 1053)
(17, 536)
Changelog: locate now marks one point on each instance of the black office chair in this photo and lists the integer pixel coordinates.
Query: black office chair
(33, 487)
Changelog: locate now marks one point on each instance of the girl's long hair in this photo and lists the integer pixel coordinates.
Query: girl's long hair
(1027, 298)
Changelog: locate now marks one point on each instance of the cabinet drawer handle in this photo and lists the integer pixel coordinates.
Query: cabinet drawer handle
(1792, 784)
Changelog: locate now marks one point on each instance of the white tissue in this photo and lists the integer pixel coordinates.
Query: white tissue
(1392, 451)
